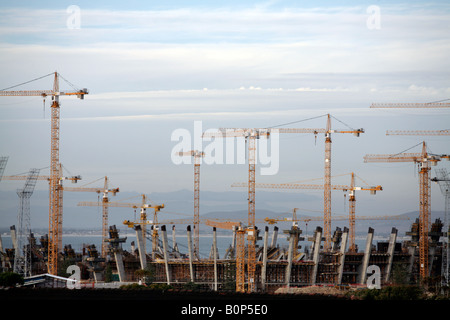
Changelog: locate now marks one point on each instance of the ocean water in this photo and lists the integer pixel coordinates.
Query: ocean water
(78, 241)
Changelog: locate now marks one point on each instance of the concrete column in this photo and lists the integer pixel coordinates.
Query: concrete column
(117, 248)
(432, 252)
(166, 258)
(133, 247)
(141, 246)
(412, 258)
(215, 257)
(231, 252)
(119, 266)
(365, 262)
(274, 237)
(391, 248)
(12, 229)
(292, 236)
(191, 269)
(174, 240)
(154, 240)
(2, 256)
(317, 240)
(342, 252)
(233, 240)
(337, 238)
(264, 265)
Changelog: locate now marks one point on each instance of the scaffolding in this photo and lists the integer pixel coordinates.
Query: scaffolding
(307, 267)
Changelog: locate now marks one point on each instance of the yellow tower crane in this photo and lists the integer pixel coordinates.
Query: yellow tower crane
(105, 200)
(424, 160)
(327, 170)
(55, 207)
(250, 135)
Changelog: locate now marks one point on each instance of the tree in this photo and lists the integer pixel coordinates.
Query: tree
(145, 275)
(10, 279)
(108, 274)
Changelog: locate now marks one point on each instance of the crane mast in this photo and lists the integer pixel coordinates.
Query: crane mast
(425, 213)
(443, 178)
(327, 188)
(22, 261)
(351, 214)
(250, 135)
(197, 160)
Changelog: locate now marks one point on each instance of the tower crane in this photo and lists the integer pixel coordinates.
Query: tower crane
(143, 214)
(197, 157)
(418, 132)
(424, 160)
(105, 190)
(327, 170)
(250, 135)
(55, 206)
(73, 179)
(349, 188)
(429, 105)
(22, 263)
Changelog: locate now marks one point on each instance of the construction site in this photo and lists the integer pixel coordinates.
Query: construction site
(255, 261)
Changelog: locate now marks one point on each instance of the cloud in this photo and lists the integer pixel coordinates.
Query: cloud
(222, 47)
(218, 24)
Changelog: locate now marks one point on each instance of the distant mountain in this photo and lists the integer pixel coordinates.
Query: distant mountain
(179, 205)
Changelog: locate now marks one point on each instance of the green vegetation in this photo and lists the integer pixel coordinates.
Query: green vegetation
(400, 292)
(10, 279)
(146, 275)
(108, 274)
(192, 286)
(154, 286)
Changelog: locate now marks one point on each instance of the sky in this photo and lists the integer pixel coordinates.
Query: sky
(157, 68)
